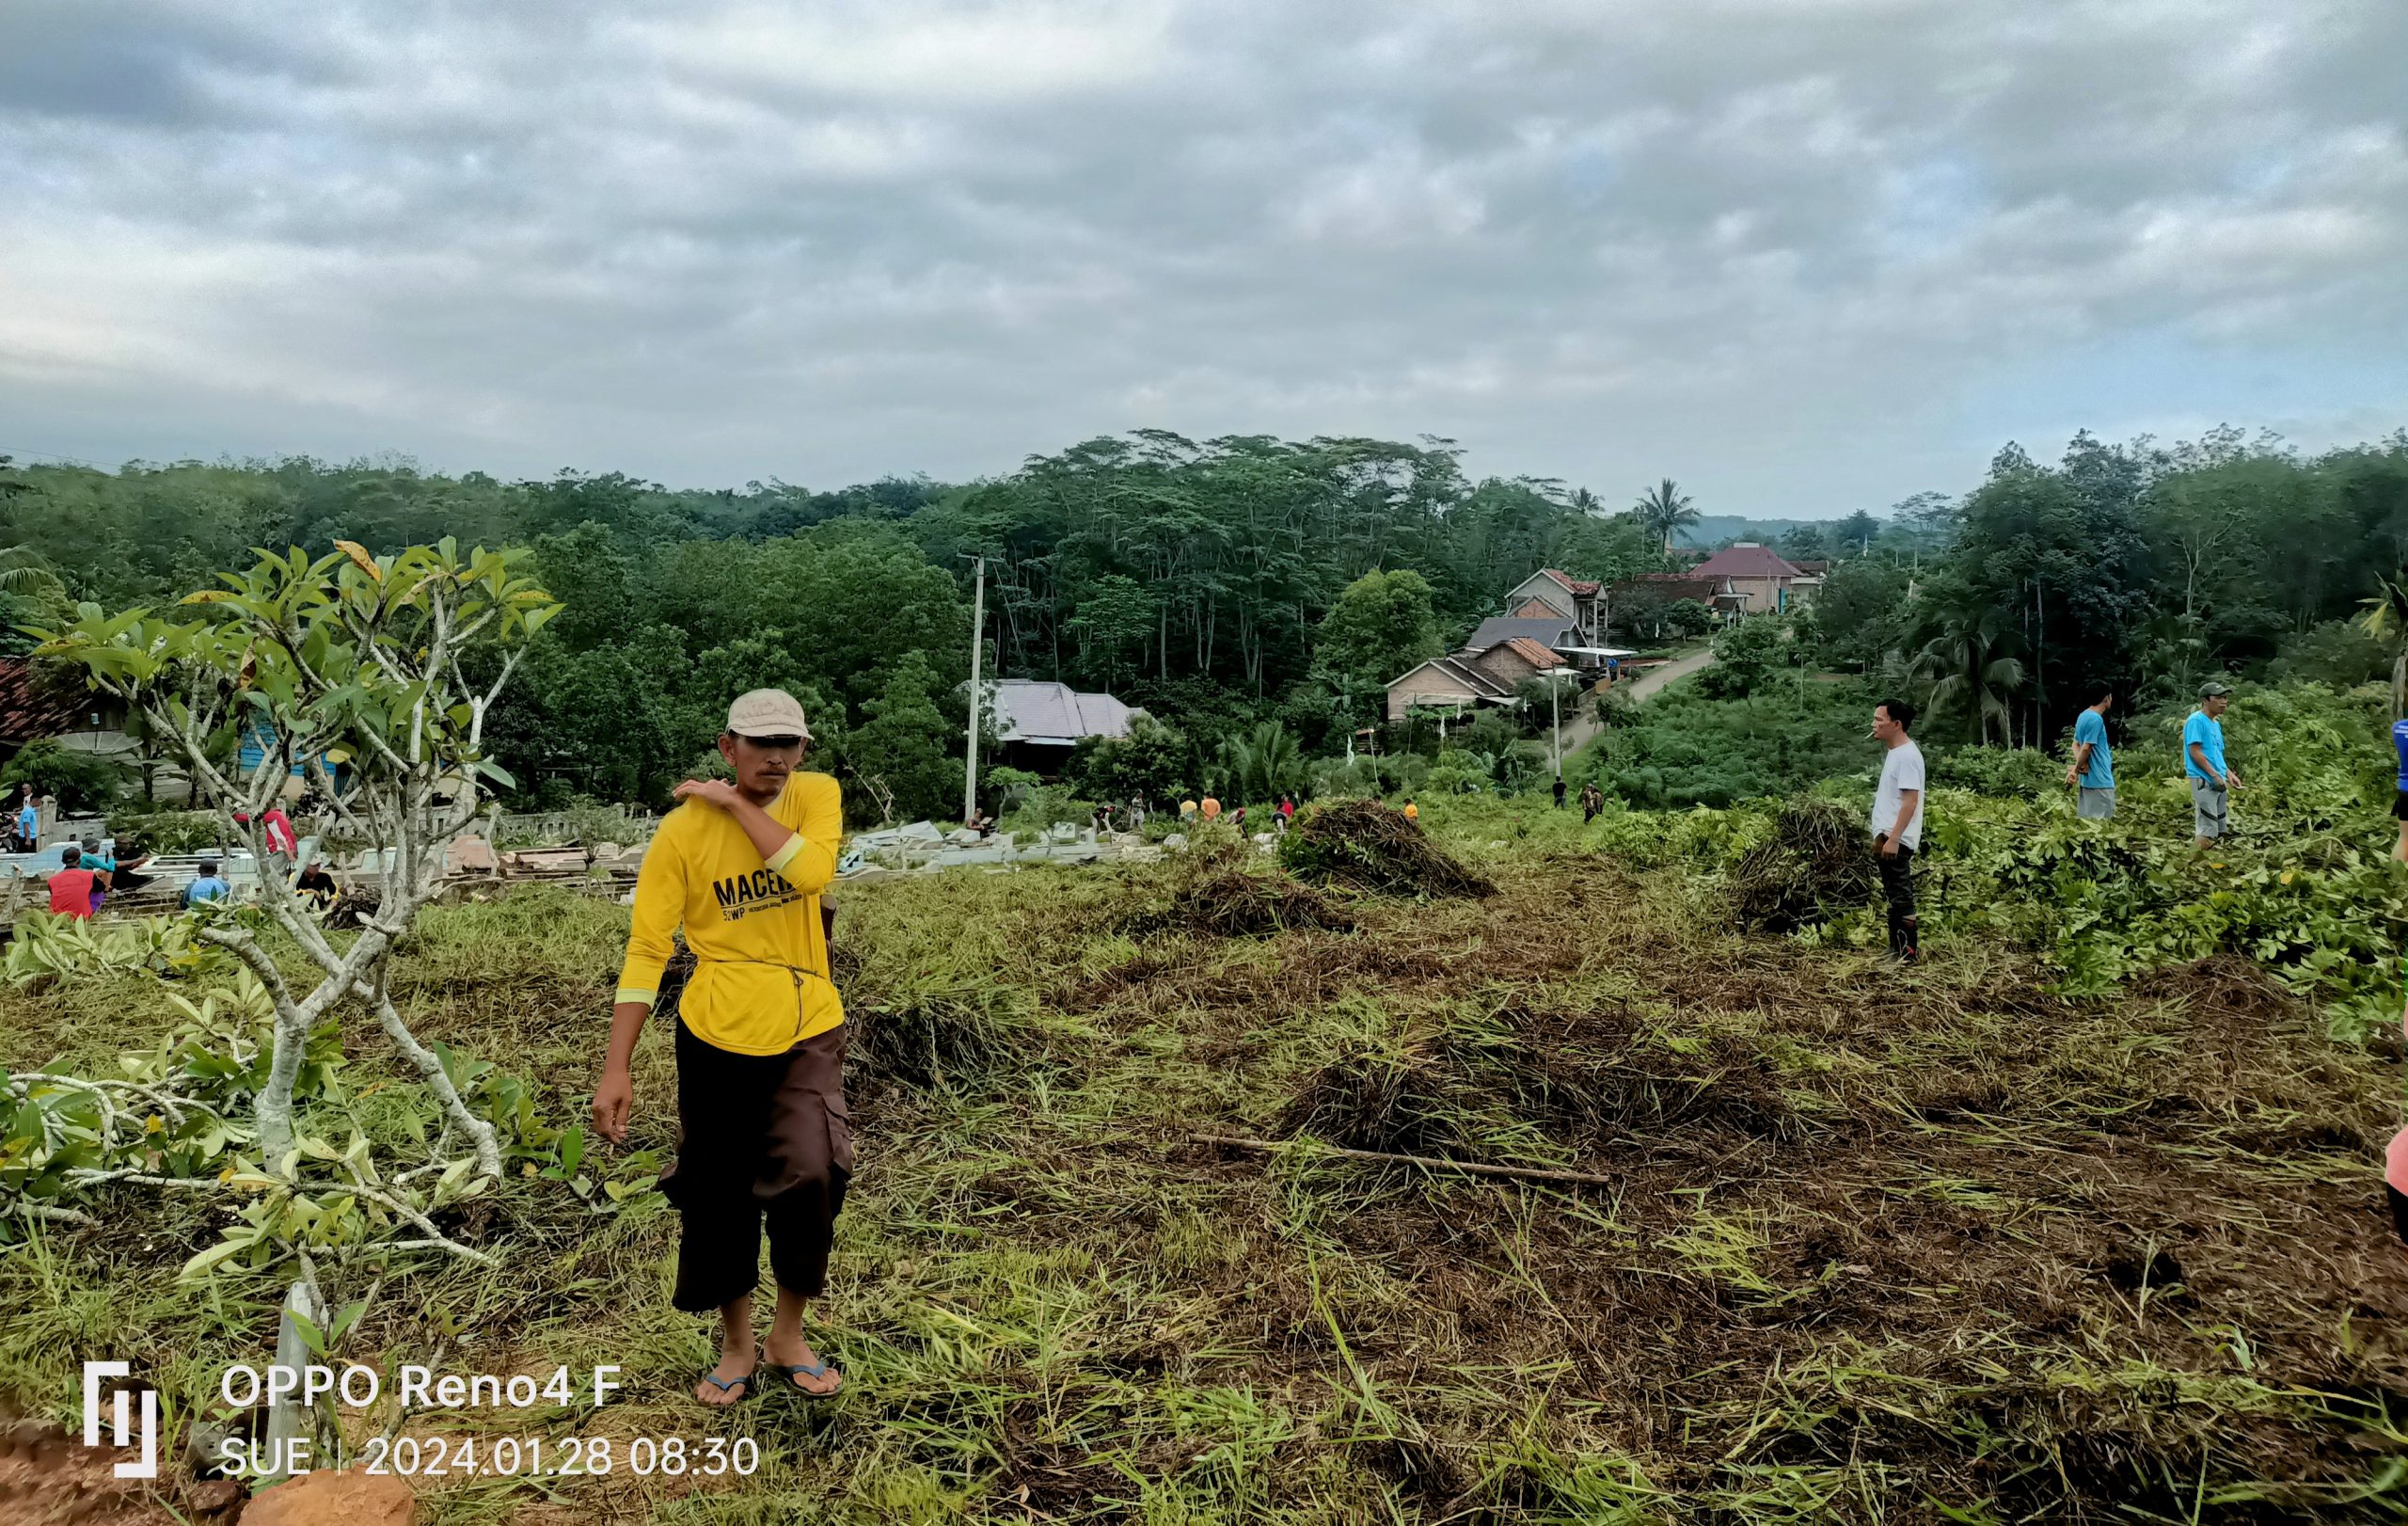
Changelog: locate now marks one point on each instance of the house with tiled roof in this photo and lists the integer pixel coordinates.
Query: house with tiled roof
(1562, 593)
(1765, 580)
(31, 709)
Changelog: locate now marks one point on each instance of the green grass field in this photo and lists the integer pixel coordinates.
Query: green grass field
(1878, 1246)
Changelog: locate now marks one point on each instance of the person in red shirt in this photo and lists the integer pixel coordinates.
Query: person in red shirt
(282, 845)
(71, 888)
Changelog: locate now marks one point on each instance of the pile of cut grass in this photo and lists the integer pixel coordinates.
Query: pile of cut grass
(1817, 864)
(1902, 1246)
(1369, 846)
(1210, 891)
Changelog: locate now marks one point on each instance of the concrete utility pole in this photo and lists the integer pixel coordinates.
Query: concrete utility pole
(1555, 678)
(978, 645)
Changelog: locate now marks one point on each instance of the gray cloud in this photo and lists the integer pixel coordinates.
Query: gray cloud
(1804, 256)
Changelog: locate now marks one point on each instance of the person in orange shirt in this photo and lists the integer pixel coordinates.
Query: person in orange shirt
(1211, 809)
(72, 887)
(1412, 812)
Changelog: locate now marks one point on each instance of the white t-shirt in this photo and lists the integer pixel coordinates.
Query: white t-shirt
(1901, 770)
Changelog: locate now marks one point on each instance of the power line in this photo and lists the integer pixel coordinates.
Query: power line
(52, 455)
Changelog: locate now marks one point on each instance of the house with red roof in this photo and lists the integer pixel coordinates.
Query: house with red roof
(1763, 579)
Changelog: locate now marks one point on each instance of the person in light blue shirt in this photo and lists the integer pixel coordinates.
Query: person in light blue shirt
(2212, 778)
(28, 824)
(206, 886)
(2093, 772)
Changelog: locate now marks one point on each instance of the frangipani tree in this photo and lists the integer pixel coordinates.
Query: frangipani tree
(392, 662)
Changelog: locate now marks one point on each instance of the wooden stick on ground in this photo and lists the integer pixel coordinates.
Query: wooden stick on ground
(1434, 1163)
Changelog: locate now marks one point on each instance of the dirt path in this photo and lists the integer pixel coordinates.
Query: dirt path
(1579, 730)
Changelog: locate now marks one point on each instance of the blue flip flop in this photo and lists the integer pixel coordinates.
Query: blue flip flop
(747, 1387)
(807, 1369)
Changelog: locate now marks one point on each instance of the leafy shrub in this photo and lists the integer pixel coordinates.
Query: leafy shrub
(1048, 805)
(1748, 653)
(1682, 747)
(1457, 773)
(2339, 652)
(83, 782)
(2000, 770)
(164, 831)
(1150, 763)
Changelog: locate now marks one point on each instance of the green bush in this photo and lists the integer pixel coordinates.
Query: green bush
(1683, 748)
(2302, 887)
(2339, 652)
(83, 782)
(1048, 805)
(166, 831)
(1999, 770)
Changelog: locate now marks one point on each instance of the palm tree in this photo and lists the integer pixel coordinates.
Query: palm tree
(1665, 509)
(1263, 765)
(2387, 620)
(1964, 660)
(26, 573)
(1585, 502)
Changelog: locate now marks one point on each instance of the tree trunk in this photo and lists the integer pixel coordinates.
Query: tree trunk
(430, 1065)
(274, 1108)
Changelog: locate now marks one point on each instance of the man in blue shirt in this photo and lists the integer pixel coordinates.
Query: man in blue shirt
(206, 886)
(2094, 764)
(2212, 779)
(28, 824)
(2399, 803)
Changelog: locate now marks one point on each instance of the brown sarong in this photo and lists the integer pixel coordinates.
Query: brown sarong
(759, 1137)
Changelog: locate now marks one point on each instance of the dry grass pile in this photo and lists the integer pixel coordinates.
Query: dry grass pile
(1212, 892)
(1817, 864)
(1369, 846)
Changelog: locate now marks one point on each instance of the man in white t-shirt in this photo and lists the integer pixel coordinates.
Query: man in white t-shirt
(1896, 822)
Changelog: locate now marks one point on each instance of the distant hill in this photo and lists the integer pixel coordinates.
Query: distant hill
(1712, 529)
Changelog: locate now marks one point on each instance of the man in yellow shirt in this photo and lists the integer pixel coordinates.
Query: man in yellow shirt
(762, 1129)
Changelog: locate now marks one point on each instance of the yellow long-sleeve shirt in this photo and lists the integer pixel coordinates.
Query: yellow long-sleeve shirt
(761, 984)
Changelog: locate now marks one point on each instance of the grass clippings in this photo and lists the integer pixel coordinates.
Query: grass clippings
(1899, 1247)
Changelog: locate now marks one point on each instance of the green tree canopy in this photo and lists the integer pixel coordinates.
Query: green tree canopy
(1381, 626)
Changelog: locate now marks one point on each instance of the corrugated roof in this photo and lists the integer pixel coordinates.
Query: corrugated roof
(1747, 560)
(1034, 711)
(1498, 629)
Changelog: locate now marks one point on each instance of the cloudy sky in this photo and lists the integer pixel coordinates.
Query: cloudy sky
(1803, 255)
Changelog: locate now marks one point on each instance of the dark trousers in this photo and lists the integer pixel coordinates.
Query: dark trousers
(759, 1136)
(1899, 885)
